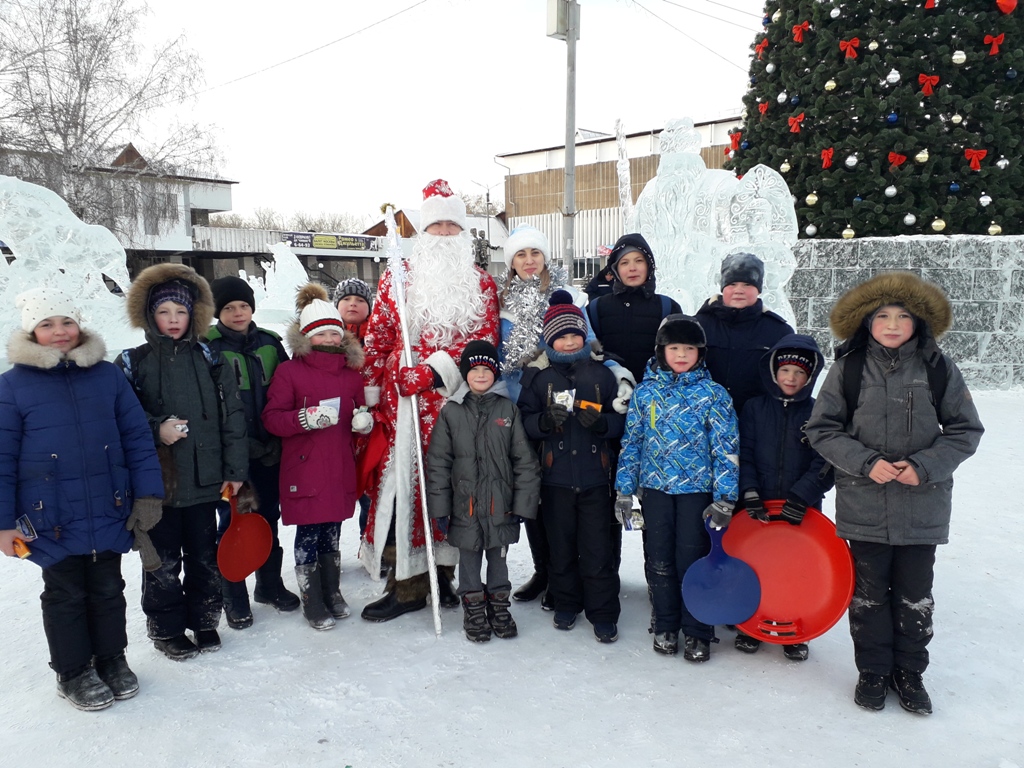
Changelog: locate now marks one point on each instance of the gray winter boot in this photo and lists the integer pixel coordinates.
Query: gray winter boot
(313, 608)
(474, 621)
(501, 620)
(330, 581)
(270, 590)
(85, 690)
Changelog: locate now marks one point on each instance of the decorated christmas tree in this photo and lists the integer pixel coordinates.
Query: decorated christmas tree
(890, 117)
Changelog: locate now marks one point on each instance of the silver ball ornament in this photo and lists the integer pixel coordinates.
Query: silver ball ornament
(811, 230)
(893, 77)
(834, 13)
(985, 200)
(890, 191)
(910, 219)
(851, 161)
(959, 57)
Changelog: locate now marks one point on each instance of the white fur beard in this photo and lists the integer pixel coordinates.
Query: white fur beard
(444, 297)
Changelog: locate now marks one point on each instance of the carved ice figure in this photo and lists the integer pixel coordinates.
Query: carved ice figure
(275, 299)
(53, 247)
(693, 217)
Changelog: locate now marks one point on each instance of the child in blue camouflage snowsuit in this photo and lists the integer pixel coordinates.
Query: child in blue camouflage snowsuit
(680, 451)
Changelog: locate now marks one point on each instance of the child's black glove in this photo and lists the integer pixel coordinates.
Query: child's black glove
(553, 417)
(755, 507)
(793, 510)
(592, 419)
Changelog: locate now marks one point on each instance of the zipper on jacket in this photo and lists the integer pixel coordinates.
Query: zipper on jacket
(910, 409)
(781, 454)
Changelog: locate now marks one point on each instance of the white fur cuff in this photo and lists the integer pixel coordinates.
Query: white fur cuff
(446, 368)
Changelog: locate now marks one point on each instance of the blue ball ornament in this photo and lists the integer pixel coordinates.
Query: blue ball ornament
(766, 20)
(1011, 74)
(795, 99)
(753, 80)
(892, 118)
(744, 145)
(858, 200)
(954, 188)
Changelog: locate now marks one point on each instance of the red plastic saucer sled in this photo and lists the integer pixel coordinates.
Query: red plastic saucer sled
(806, 574)
(245, 545)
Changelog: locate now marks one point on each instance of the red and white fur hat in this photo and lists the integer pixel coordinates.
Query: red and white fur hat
(440, 204)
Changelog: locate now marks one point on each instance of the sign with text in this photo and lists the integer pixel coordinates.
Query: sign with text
(330, 242)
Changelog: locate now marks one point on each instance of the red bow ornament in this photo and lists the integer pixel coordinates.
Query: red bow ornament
(975, 156)
(761, 47)
(826, 158)
(927, 83)
(849, 47)
(995, 42)
(762, 107)
(735, 138)
(929, 4)
(794, 123)
(1006, 6)
(896, 159)
(798, 31)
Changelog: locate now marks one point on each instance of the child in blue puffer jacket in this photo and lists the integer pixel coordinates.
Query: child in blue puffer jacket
(680, 450)
(776, 461)
(78, 468)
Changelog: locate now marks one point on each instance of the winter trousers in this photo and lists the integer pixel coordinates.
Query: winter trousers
(186, 539)
(470, 562)
(83, 611)
(676, 539)
(581, 571)
(537, 536)
(316, 539)
(891, 611)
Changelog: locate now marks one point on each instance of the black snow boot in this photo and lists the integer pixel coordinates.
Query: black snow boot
(870, 691)
(270, 590)
(501, 620)
(746, 643)
(445, 589)
(236, 603)
(85, 690)
(796, 652)
(696, 649)
(313, 608)
(910, 688)
(207, 640)
(474, 620)
(177, 648)
(330, 582)
(533, 588)
(118, 676)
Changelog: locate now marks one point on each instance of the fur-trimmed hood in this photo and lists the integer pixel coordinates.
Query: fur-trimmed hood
(925, 300)
(300, 346)
(22, 349)
(137, 305)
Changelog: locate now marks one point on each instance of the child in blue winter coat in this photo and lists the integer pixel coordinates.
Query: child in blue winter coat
(78, 469)
(776, 461)
(680, 451)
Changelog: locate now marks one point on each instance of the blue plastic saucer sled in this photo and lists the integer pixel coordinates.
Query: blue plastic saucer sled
(719, 589)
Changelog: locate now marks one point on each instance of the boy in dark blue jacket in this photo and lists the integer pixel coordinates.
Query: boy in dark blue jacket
(776, 461)
(253, 355)
(567, 406)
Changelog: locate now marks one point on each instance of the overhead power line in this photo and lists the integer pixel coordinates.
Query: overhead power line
(716, 18)
(689, 37)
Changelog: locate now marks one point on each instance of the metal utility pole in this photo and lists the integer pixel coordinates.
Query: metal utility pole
(564, 24)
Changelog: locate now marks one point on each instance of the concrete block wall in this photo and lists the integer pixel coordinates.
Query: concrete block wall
(983, 277)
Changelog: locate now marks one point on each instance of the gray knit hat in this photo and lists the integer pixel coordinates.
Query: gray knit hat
(352, 287)
(743, 268)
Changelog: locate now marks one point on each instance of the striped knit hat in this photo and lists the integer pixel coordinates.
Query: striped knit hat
(562, 318)
(801, 358)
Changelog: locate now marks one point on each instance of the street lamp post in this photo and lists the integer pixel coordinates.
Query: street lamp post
(564, 24)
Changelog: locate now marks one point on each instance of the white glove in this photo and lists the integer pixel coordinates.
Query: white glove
(318, 417)
(362, 421)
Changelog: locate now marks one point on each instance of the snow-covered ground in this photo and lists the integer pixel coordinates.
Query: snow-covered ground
(364, 695)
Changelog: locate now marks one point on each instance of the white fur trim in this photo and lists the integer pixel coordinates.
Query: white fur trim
(448, 371)
(525, 236)
(439, 208)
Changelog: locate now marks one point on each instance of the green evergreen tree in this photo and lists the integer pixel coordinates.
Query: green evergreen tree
(918, 103)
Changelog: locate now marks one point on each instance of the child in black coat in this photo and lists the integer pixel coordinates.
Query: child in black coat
(567, 405)
(776, 461)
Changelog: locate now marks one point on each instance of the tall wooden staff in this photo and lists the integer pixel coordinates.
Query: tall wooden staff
(396, 265)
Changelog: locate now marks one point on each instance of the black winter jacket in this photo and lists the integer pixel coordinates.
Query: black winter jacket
(626, 323)
(571, 456)
(737, 340)
(776, 459)
(481, 469)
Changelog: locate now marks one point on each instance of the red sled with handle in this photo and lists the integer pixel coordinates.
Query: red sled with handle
(245, 545)
(805, 571)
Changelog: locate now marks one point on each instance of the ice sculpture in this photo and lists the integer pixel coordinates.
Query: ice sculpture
(52, 247)
(275, 294)
(693, 217)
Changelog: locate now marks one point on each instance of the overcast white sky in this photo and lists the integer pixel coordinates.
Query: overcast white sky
(439, 90)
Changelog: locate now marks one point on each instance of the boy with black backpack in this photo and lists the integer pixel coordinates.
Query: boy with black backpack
(894, 432)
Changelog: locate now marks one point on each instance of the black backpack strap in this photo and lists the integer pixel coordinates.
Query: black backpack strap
(853, 372)
(666, 306)
(595, 317)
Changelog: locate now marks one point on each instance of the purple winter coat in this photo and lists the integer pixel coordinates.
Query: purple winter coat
(318, 471)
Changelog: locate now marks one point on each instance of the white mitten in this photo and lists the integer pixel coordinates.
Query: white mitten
(621, 402)
(362, 421)
(318, 417)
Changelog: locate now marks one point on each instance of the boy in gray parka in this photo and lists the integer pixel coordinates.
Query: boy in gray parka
(895, 437)
(483, 475)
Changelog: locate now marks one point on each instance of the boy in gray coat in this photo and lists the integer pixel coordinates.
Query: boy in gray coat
(895, 419)
(483, 476)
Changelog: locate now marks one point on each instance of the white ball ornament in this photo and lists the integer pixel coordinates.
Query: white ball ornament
(851, 161)
(910, 219)
(784, 168)
(848, 233)
(890, 191)
(985, 200)
(873, 45)
(811, 230)
(834, 13)
(811, 199)
(777, 15)
(893, 77)
(769, 68)
(1002, 163)
(830, 85)
(782, 98)
(922, 156)
(956, 119)
(959, 57)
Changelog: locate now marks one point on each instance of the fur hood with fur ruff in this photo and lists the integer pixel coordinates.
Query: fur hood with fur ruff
(300, 346)
(924, 300)
(22, 349)
(137, 305)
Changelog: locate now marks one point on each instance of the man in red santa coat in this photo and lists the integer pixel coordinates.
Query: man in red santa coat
(449, 302)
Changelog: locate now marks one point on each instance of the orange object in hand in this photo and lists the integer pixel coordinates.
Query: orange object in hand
(21, 549)
(585, 404)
